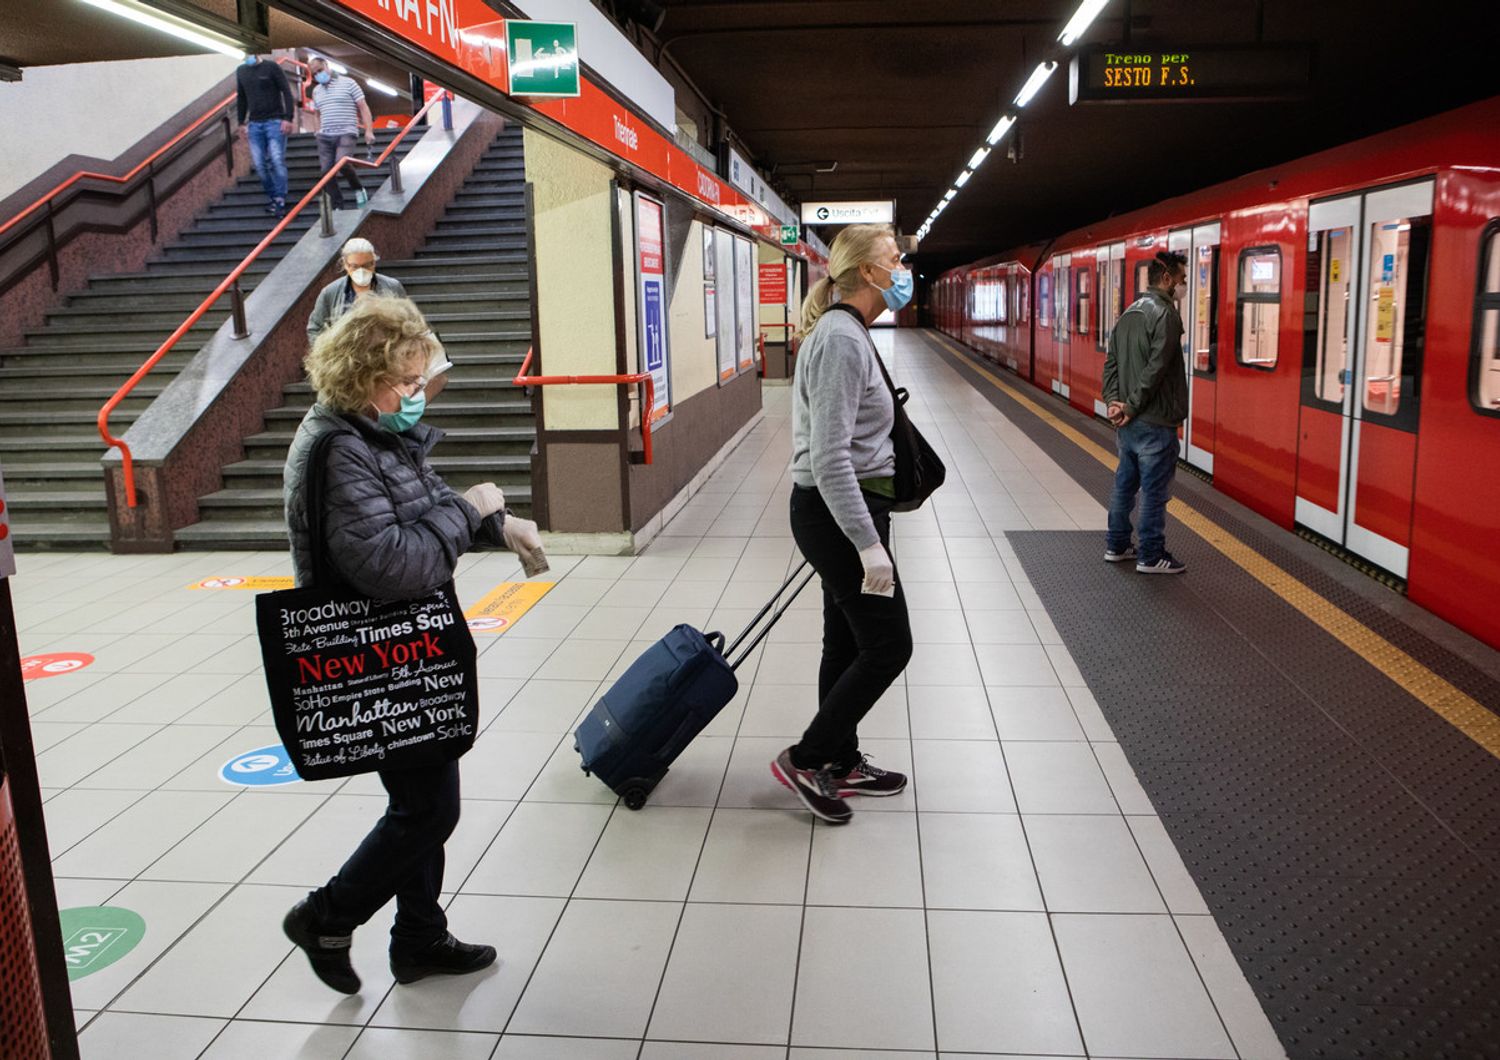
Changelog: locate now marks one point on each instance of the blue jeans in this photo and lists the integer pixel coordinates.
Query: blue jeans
(1148, 463)
(268, 153)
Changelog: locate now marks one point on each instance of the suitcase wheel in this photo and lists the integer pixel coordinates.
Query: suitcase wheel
(634, 794)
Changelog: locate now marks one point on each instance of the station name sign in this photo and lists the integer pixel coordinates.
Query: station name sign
(1190, 74)
(877, 212)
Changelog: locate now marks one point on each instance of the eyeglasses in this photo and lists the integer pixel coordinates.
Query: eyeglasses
(415, 383)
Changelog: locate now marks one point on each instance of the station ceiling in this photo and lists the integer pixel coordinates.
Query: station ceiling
(899, 94)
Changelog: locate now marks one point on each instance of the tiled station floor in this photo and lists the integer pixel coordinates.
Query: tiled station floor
(1021, 899)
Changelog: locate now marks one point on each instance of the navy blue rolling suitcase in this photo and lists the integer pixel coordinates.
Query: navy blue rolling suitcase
(650, 715)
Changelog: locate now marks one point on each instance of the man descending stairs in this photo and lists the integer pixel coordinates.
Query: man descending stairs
(471, 281)
(67, 369)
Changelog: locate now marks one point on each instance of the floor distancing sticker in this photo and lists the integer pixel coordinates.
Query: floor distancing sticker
(503, 606)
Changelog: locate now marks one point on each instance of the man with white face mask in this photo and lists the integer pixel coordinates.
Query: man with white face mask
(359, 280)
(1145, 390)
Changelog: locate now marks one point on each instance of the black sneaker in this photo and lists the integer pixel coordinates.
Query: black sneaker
(446, 956)
(1111, 556)
(1167, 564)
(868, 779)
(328, 954)
(817, 788)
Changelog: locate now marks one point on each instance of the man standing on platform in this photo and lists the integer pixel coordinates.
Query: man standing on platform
(266, 108)
(342, 111)
(1145, 391)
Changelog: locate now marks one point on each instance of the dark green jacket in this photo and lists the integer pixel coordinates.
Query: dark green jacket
(1144, 368)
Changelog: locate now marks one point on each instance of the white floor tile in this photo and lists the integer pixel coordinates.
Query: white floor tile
(536, 1047)
(977, 861)
(709, 1051)
(546, 706)
(1135, 988)
(697, 775)
(648, 854)
(942, 664)
(115, 1035)
(1122, 780)
(1058, 778)
(255, 1040)
(870, 861)
(1016, 664)
(226, 847)
(997, 984)
(754, 856)
(961, 776)
(945, 713)
(888, 1011)
(386, 1043)
(74, 814)
(140, 835)
(599, 974)
(1090, 864)
(746, 1000)
(541, 851)
(1034, 714)
(1246, 1022)
(1171, 875)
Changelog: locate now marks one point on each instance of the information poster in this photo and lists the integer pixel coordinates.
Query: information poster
(744, 301)
(772, 283)
(651, 298)
(710, 312)
(726, 336)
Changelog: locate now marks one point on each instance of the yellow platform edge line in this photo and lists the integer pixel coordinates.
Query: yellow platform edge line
(1452, 704)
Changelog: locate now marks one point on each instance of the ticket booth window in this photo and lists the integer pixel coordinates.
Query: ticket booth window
(1484, 387)
(1259, 307)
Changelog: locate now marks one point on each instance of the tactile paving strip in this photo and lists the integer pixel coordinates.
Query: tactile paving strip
(1345, 837)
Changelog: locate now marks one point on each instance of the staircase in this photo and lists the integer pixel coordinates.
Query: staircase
(68, 368)
(472, 281)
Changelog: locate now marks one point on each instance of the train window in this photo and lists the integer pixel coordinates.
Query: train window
(1206, 310)
(1141, 283)
(1023, 299)
(1259, 307)
(1397, 315)
(1330, 288)
(1044, 300)
(1002, 301)
(1062, 291)
(1101, 328)
(1484, 370)
(1085, 298)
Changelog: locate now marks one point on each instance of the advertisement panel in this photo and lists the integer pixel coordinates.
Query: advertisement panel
(745, 328)
(651, 298)
(725, 339)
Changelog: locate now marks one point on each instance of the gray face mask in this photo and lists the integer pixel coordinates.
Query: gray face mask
(1179, 292)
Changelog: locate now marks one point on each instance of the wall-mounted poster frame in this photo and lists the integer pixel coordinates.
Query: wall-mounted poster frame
(708, 255)
(744, 303)
(726, 335)
(651, 299)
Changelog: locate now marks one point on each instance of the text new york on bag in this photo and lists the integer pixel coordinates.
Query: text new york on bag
(359, 684)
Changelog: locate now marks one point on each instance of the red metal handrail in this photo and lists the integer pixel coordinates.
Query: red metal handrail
(127, 461)
(634, 378)
(88, 174)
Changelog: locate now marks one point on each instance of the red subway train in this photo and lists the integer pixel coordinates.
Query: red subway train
(1342, 340)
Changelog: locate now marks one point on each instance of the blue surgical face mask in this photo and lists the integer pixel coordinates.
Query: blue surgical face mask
(251, 60)
(411, 412)
(899, 292)
(322, 77)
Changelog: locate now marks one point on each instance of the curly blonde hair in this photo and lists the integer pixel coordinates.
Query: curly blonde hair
(372, 342)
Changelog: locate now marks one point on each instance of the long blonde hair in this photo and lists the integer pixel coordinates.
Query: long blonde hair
(853, 247)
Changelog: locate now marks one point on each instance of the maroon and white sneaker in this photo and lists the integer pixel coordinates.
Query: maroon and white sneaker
(868, 779)
(817, 788)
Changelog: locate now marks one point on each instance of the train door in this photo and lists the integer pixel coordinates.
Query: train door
(1062, 287)
(1365, 330)
(1180, 241)
(1201, 335)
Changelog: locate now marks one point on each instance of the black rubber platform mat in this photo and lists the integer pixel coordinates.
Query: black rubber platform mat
(1345, 837)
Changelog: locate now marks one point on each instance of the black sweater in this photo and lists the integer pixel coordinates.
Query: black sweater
(263, 92)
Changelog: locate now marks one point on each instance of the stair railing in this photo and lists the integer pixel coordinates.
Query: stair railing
(648, 404)
(217, 114)
(231, 284)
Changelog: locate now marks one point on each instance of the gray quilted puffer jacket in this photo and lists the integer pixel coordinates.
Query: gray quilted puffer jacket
(394, 528)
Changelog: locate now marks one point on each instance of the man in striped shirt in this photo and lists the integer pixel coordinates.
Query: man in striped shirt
(342, 110)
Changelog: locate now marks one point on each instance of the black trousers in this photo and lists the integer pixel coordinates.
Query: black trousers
(402, 857)
(866, 639)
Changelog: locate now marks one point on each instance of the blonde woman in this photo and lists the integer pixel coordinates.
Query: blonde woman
(843, 467)
(391, 529)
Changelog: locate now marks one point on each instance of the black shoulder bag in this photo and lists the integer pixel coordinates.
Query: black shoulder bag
(359, 684)
(919, 470)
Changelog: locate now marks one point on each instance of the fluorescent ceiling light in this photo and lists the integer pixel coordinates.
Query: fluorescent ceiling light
(176, 27)
(1081, 20)
(1001, 128)
(1034, 83)
(338, 68)
(978, 157)
(381, 86)
(951, 192)
(963, 178)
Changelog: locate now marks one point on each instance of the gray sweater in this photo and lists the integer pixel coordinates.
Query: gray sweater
(842, 415)
(334, 299)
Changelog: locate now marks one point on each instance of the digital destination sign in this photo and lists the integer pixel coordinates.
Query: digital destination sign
(1206, 73)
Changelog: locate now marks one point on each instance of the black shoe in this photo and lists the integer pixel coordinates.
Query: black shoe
(866, 778)
(817, 788)
(1166, 563)
(446, 956)
(328, 954)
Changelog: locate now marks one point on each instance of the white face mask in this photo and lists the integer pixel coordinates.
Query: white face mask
(1179, 292)
(362, 277)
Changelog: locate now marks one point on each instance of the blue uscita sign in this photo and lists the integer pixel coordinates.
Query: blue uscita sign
(262, 767)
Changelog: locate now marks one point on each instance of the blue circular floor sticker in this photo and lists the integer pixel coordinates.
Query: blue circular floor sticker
(260, 768)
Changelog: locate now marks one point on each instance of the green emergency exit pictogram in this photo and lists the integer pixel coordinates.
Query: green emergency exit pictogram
(543, 58)
(790, 234)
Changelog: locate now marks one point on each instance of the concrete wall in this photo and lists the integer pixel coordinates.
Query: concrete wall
(94, 109)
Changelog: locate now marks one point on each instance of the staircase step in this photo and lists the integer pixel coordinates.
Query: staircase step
(71, 500)
(42, 534)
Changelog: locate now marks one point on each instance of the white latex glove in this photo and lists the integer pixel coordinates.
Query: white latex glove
(486, 498)
(880, 572)
(522, 538)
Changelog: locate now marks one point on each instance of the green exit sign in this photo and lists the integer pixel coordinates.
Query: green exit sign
(542, 58)
(790, 234)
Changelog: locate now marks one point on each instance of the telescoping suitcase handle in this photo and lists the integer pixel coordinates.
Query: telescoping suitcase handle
(734, 664)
